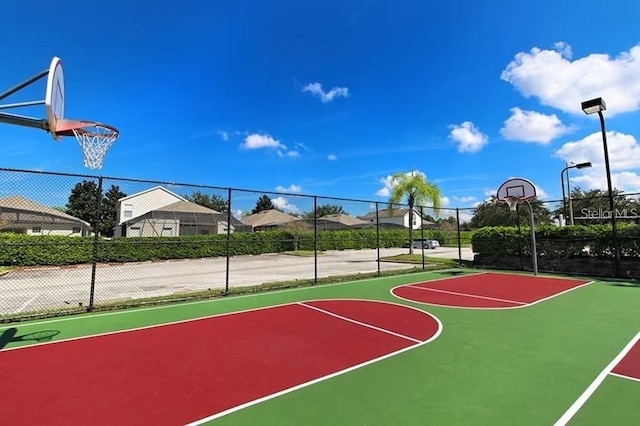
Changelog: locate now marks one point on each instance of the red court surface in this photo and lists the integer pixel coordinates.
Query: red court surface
(487, 290)
(629, 366)
(201, 369)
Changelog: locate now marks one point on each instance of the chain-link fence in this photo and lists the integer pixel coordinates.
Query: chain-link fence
(71, 243)
(581, 235)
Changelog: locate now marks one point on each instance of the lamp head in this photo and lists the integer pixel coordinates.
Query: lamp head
(594, 105)
(583, 165)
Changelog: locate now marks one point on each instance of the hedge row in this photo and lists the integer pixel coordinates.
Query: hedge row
(24, 250)
(555, 242)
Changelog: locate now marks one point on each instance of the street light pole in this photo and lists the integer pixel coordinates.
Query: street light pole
(589, 107)
(564, 204)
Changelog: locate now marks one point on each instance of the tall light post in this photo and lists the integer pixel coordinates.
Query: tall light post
(564, 204)
(592, 106)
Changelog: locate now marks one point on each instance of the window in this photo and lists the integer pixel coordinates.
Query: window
(75, 230)
(128, 210)
(134, 231)
(166, 232)
(36, 230)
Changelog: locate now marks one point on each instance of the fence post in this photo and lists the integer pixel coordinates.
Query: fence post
(228, 242)
(459, 241)
(378, 237)
(315, 239)
(96, 232)
(421, 236)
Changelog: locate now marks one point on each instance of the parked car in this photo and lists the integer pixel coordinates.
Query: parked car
(424, 243)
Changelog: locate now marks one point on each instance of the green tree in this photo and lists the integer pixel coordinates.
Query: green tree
(297, 229)
(494, 212)
(214, 201)
(109, 212)
(83, 202)
(263, 203)
(325, 210)
(587, 206)
(414, 188)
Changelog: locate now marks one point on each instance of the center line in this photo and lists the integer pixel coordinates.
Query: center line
(384, 330)
(468, 295)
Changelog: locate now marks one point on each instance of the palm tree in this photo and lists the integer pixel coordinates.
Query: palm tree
(414, 187)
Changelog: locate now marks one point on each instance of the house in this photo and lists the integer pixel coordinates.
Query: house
(334, 222)
(396, 218)
(24, 216)
(268, 219)
(158, 212)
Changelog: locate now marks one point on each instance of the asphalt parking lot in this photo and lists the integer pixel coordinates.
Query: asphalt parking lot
(40, 288)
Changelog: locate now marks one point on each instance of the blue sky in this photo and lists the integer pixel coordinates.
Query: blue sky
(334, 97)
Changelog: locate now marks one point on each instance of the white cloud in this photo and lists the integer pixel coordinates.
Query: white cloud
(223, 135)
(445, 201)
(258, 141)
(531, 126)
(468, 199)
(331, 157)
(283, 204)
(557, 81)
(293, 188)
(624, 157)
(326, 97)
(293, 153)
(624, 151)
(468, 137)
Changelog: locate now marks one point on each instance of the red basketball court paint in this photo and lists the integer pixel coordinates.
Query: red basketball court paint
(202, 369)
(487, 290)
(629, 366)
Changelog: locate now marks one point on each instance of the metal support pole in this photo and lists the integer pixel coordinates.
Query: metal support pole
(564, 202)
(24, 84)
(612, 209)
(422, 237)
(228, 243)
(459, 242)
(96, 236)
(534, 253)
(315, 239)
(378, 236)
(569, 197)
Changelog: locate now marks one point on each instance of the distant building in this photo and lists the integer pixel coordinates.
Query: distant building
(23, 216)
(158, 212)
(397, 218)
(267, 219)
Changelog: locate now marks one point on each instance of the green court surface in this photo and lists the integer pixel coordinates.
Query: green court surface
(522, 366)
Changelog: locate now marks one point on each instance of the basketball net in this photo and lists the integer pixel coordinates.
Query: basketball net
(512, 202)
(95, 141)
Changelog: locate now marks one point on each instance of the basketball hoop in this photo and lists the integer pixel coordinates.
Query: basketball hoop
(94, 138)
(512, 202)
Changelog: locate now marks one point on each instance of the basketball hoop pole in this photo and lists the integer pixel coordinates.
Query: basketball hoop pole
(534, 253)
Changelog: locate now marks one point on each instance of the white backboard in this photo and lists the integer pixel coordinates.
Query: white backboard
(520, 188)
(54, 97)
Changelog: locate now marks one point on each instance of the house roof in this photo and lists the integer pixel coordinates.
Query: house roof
(155, 188)
(344, 219)
(385, 213)
(20, 203)
(268, 217)
(186, 207)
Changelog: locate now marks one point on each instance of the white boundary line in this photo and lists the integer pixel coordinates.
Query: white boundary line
(364, 324)
(486, 309)
(595, 384)
(467, 295)
(170, 305)
(332, 375)
(622, 376)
